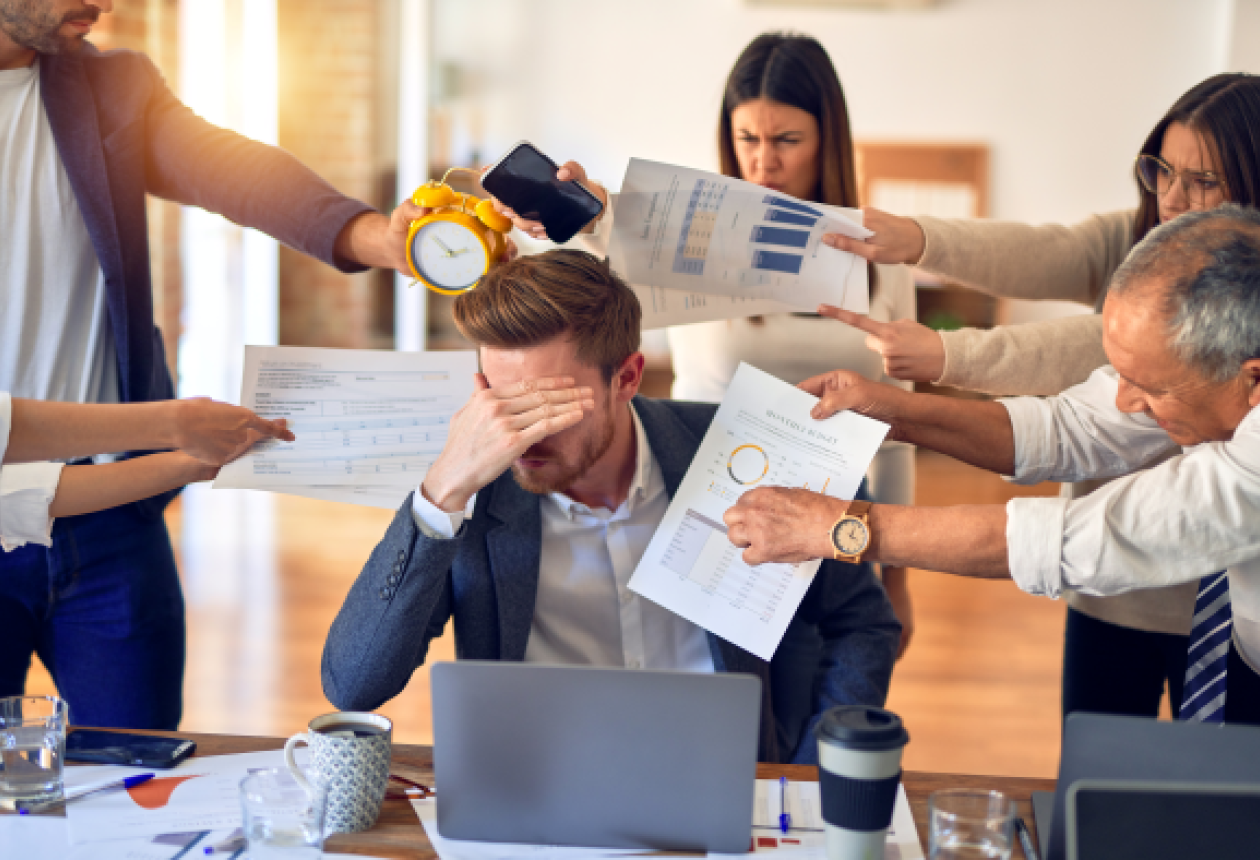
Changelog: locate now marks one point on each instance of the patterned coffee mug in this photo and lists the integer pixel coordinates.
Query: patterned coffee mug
(350, 759)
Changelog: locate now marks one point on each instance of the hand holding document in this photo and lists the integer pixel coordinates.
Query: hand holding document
(763, 435)
(706, 246)
(368, 423)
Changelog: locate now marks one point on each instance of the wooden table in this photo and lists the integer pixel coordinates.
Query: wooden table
(398, 833)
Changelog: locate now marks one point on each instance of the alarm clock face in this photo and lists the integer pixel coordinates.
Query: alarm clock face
(449, 255)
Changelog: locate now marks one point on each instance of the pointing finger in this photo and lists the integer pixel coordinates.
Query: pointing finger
(858, 321)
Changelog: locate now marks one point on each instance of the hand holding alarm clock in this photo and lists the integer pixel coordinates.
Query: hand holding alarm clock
(453, 246)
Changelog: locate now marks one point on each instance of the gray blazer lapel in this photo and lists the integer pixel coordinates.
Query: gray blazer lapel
(514, 545)
(67, 97)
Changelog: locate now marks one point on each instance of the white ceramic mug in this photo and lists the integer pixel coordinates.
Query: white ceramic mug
(350, 759)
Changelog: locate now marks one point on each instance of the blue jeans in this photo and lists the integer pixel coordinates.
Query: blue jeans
(103, 610)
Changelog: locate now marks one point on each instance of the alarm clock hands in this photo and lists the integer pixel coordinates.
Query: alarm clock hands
(442, 245)
(495, 428)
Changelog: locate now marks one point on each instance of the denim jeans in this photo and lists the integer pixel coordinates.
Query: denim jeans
(103, 610)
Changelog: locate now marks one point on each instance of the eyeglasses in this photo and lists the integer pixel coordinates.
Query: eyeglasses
(1157, 176)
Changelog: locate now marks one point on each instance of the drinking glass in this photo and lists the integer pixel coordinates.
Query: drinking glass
(971, 825)
(283, 819)
(32, 748)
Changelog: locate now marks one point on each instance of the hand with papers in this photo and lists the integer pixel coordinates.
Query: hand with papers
(497, 427)
(893, 239)
(779, 524)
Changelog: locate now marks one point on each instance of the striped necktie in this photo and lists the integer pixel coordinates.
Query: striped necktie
(1208, 657)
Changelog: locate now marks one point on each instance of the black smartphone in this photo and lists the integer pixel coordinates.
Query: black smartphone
(96, 747)
(525, 180)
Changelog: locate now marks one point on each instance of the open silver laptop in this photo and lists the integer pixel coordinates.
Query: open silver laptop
(615, 758)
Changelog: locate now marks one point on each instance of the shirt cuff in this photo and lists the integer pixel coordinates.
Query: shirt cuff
(26, 494)
(435, 523)
(1035, 442)
(1034, 544)
(6, 422)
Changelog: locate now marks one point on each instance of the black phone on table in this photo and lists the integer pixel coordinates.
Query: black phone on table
(525, 180)
(97, 747)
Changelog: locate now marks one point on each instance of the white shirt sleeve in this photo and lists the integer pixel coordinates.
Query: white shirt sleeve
(26, 493)
(1081, 435)
(6, 422)
(1179, 521)
(436, 523)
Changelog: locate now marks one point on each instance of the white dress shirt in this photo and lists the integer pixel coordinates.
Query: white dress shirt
(1188, 517)
(584, 612)
(55, 339)
(26, 492)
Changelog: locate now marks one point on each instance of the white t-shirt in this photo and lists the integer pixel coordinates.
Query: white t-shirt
(56, 342)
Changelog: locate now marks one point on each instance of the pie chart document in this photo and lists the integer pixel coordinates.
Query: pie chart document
(762, 436)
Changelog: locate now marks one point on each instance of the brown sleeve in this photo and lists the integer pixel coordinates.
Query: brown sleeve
(1038, 358)
(1023, 261)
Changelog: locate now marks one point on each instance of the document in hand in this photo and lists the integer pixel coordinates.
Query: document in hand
(762, 435)
(700, 246)
(368, 422)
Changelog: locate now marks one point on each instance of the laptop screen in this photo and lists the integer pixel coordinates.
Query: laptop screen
(1141, 821)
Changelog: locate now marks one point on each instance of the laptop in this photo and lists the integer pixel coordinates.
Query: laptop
(1103, 747)
(609, 758)
(1136, 820)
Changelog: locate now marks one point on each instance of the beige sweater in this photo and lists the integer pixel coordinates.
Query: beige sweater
(1049, 262)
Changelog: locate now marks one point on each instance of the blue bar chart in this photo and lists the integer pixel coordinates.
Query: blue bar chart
(775, 261)
(788, 203)
(783, 236)
(782, 216)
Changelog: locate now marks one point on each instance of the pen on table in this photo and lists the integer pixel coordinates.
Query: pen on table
(1025, 839)
(785, 820)
(91, 788)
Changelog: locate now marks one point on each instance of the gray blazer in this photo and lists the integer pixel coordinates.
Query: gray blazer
(486, 579)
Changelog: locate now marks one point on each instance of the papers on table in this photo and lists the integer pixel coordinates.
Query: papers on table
(460, 849)
(763, 435)
(699, 246)
(368, 422)
(201, 794)
(805, 839)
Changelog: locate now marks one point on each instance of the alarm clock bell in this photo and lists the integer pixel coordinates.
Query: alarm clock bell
(450, 249)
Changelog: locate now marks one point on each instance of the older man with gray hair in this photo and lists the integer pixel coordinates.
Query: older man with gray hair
(1182, 331)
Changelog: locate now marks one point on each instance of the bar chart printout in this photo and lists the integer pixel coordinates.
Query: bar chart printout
(762, 435)
(368, 422)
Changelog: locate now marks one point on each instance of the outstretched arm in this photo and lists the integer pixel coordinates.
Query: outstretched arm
(976, 432)
(214, 433)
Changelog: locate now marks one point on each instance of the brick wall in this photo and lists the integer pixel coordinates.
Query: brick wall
(328, 69)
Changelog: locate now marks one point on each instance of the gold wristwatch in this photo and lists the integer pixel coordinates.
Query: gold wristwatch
(851, 535)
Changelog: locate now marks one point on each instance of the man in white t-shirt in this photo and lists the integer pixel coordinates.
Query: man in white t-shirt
(84, 136)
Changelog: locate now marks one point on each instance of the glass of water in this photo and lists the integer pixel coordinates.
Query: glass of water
(283, 820)
(32, 748)
(971, 825)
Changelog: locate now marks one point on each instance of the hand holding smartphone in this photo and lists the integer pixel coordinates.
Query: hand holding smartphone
(525, 181)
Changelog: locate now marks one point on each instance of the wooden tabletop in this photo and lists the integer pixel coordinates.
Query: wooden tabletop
(398, 834)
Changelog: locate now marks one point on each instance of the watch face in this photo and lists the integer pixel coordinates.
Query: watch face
(448, 255)
(850, 536)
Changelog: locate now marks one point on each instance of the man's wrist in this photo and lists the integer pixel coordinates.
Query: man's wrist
(833, 512)
(447, 501)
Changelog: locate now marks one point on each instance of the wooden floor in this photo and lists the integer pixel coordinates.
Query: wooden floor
(264, 575)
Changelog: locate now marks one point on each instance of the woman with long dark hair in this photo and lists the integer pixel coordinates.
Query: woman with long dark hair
(1120, 652)
(784, 124)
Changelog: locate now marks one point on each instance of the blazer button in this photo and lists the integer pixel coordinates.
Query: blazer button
(398, 568)
(402, 555)
(393, 580)
(385, 593)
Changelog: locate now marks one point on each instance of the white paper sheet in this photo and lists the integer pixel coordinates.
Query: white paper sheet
(368, 422)
(461, 849)
(762, 435)
(697, 232)
(806, 839)
(199, 794)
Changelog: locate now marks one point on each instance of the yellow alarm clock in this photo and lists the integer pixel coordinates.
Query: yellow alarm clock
(452, 247)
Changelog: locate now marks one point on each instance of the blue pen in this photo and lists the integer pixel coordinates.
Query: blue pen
(84, 790)
(785, 820)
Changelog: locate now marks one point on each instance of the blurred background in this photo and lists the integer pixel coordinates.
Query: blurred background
(1030, 110)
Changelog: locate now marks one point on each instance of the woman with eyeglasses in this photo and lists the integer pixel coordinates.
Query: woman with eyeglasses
(1119, 652)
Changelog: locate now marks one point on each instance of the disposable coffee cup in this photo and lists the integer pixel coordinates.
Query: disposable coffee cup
(859, 758)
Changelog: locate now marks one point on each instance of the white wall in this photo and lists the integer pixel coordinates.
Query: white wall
(1063, 91)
